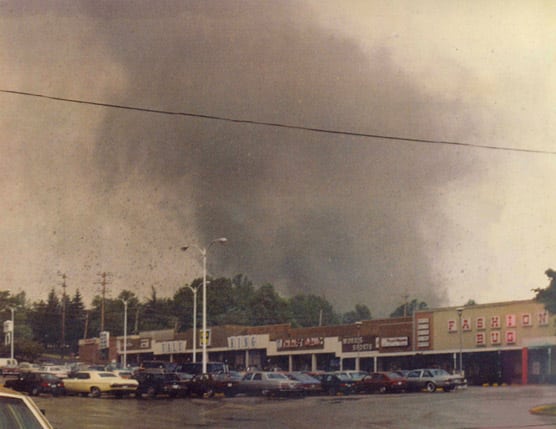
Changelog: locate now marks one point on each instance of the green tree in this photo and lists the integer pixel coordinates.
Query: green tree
(267, 307)
(75, 321)
(548, 295)
(183, 304)
(156, 313)
(24, 346)
(45, 320)
(361, 312)
(409, 308)
(311, 310)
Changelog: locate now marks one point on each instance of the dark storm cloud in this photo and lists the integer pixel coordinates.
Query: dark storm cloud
(311, 213)
(308, 212)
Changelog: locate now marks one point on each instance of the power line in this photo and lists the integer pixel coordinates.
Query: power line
(276, 124)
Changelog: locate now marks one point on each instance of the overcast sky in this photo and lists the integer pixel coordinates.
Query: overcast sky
(89, 188)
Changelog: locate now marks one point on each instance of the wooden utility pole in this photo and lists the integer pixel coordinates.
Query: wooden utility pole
(63, 275)
(85, 332)
(103, 283)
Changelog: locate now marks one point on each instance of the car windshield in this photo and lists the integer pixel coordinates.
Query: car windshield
(106, 374)
(14, 414)
(439, 372)
(276, 375)
(344, 377)
(304, 377)
(49, 377)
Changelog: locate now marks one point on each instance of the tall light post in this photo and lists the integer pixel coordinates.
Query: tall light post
(194, 290)
(203, 252)
(124, 360)
(12, 334)
(460, 313)
(357, 344)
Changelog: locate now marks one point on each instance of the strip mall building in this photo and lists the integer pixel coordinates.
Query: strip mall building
(509, 342)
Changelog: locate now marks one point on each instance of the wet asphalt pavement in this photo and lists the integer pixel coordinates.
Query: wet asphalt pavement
(476, 407)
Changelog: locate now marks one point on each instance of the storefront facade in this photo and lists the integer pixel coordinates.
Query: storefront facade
(511, 342)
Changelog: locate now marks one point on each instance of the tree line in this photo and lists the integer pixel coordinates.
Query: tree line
(56, 324)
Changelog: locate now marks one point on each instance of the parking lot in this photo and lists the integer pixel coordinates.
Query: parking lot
(474, 407)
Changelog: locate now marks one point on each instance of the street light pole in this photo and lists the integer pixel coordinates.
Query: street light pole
(203, 252)
(194, 290)
(124, 362)
(460, 312)
(12, 334)
(358, 345)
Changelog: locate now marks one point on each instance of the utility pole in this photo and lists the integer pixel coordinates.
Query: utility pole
(63, 275)
(85, 332)
(103, 283)
(136, 326)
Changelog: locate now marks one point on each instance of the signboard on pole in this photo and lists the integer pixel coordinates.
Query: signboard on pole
(204, 337)
(104, 340)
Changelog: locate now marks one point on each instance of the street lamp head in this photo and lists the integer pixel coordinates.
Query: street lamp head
(459, 310)
(221, 240)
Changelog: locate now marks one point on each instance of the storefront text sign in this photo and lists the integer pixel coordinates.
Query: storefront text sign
(299, 343)
(169, 347)
(394, 342)
(248, 342)
(361, 343)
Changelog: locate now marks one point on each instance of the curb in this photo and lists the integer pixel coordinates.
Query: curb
(545, 410)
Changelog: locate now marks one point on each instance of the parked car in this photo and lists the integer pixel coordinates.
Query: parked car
(433, 378)
(124, 373)
(207, 385)
(18, 411)
(309, 384)
(154, 383)
(383, 382)
(355, 375)
(157, 364)
(269, 383)
(35, 383)
(227, 382)
(333, 383)
(57, 370)
(95, 383)
(28, 367)
(95, 368)
(196, 368)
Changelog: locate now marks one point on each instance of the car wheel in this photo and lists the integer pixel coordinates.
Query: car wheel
(382, 389)
(95, 392)
(431, 387)
(332, 391)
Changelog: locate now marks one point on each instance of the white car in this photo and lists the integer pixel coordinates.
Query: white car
(95, 383)
(57, 370)
(18, 411)
(29, 367)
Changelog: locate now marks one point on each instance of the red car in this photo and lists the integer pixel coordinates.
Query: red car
(384, 381)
